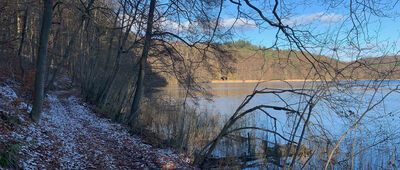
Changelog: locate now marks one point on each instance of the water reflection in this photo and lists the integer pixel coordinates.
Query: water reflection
(374, 143)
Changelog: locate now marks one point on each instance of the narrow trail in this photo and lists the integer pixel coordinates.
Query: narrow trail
(71, 136)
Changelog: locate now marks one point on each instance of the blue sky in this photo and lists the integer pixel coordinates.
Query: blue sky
(334, 22)
(328, 21)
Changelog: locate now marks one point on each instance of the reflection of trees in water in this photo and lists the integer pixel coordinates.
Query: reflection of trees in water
(263, 136)
(320, 142)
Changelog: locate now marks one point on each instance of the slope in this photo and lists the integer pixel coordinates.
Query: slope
(71, 136)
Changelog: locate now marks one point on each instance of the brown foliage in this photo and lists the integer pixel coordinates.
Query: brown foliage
(26, 88)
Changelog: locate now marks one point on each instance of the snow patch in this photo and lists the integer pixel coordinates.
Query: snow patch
(71, 136)
(8, 92)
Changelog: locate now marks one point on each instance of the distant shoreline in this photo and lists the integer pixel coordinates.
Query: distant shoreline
(275, 81)
(262, 81)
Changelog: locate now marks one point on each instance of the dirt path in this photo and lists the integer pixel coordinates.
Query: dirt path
(71, 136)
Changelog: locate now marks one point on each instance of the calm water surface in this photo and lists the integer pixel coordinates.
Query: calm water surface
(378, 133)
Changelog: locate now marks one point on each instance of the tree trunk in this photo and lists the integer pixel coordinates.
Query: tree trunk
(139, 83)
(41, 61)
(52, 58)
(105, 91)
(21, 44)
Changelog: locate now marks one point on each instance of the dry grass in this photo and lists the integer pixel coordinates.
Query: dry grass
(186, 129)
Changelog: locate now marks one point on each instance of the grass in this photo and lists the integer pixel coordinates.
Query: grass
(185, 130)
(9, 156)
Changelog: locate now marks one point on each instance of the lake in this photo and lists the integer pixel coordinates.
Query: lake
(336, 108)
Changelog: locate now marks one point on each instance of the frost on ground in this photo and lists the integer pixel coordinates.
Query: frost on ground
(71, 136)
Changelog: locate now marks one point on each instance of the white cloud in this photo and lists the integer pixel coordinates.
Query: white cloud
(239, 23)
(173, 26)
(312, 18)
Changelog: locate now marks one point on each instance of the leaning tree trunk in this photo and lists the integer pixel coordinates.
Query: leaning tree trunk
(143, 60)
(41, 61)
(21, 44)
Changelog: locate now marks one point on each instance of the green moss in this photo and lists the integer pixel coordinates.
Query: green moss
(9, 156)
(3, 162)
(13, 119)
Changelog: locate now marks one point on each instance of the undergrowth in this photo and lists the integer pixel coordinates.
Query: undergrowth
(9, 156)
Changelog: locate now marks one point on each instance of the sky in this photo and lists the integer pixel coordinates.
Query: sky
(332, 23)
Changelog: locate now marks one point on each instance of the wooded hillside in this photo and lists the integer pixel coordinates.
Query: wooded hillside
(115, 54)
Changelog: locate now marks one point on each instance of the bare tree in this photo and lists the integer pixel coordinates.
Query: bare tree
(21, 44)
(330, 73)
(41, 61)
(142, 64)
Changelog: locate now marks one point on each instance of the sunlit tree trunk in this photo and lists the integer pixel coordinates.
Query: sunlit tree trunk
(22, 42)
(41, 61)
(139, 84)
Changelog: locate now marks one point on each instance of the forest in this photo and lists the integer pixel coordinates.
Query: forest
(209, 84)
